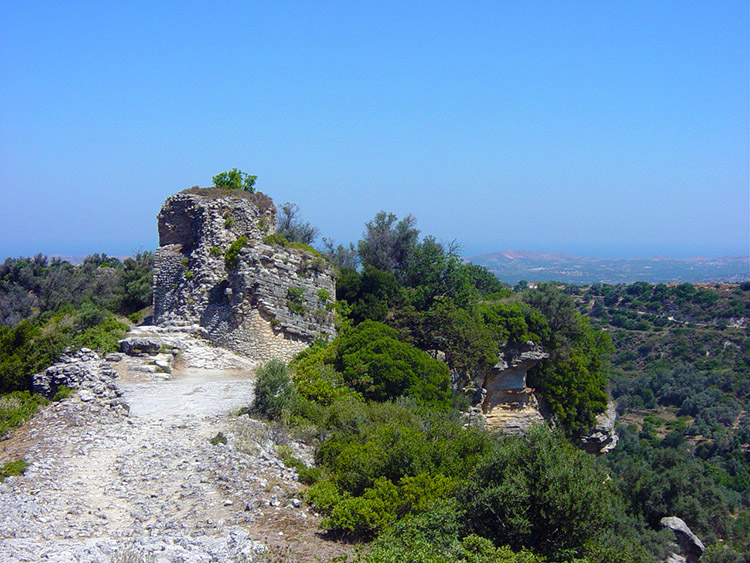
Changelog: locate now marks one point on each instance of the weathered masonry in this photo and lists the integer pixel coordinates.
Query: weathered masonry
(213, 269)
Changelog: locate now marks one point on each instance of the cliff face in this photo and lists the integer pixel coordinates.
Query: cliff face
(506, 403)
(260, 300)
(503, 402)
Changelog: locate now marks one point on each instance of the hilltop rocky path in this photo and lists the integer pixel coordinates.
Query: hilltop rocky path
(151, 486)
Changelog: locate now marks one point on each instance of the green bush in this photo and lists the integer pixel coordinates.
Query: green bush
(377, 364)
(277, 239)
(215, 251)
(314, 376)
(16, 408)
(366, 515)
(539, 492)
(104, 338)
(218, 439)
(232, 254)
(434, 536)
(234, 180)
(295, 300)
(63, 392)
(13, 469)
(273, 390)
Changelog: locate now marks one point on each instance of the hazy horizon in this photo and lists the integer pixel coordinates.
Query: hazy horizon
(81, 255)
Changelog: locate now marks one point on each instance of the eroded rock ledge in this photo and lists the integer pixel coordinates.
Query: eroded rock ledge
(505, 402)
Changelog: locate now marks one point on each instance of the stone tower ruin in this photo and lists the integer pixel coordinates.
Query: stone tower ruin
(217, 267)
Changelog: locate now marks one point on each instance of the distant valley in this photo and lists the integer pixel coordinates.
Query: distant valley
(512, 266)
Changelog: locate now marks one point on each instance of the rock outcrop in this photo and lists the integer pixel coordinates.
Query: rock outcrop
(213, 269)
(85, 371)
(687, 547)
(506, 403)
(602, 437)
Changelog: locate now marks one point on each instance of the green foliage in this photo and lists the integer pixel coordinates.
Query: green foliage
(574, 379)
(292, 228)
(218, 439)
(278, 239)
(539, 492)
(377, 364)
(103, 337)
(339, 255)
(273, 389)
(371, 294)
(315, 379)
(681, 371)
(657, 480)
(16, 408)
(215, 251)
(323, 294)
(486, 282)
(63, 392)
(39, 284)
(232, 254)
(30, 347)
(434, 537)
(388, 460)
(235, 180)
(388, 243)
(365, 515)
(295, 300)
(432, 272)
(13, 468)
(136, 282)
(324, 495)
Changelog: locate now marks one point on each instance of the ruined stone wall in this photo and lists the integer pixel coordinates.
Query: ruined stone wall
(272, 303)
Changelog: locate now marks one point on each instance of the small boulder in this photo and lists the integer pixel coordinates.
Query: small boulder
(687, 545)
(134, 345)
(602, 438)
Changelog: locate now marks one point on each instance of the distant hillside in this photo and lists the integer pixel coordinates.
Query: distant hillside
(512, 266)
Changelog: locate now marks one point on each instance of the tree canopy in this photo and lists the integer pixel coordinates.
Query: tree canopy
(235, 180)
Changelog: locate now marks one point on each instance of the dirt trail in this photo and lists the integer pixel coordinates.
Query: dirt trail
(101, 484)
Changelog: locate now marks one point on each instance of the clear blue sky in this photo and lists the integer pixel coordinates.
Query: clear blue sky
(594, 128)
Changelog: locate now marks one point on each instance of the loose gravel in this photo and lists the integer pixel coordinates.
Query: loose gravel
(151, 486)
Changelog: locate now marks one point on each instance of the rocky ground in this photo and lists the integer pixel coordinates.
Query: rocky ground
(151, 486)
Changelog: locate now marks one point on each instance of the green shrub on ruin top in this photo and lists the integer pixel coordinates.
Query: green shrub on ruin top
(277, 239)
(232, 255)
(235, 180)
